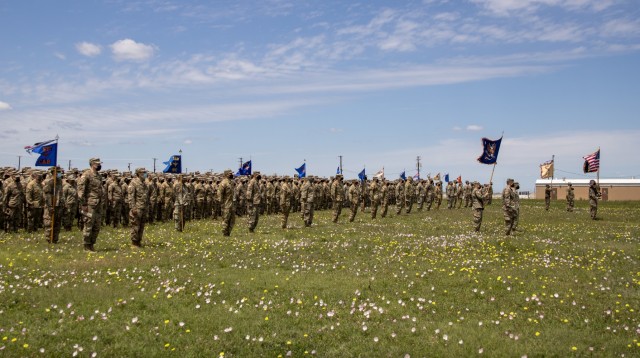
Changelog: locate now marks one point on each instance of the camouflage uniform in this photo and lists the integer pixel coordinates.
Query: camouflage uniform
(384, 197)
(478, 196)
(509, 206)
(421, 193)
(13, 202)
(337, 196)
(594, 195)
(254, 200)
(152, 188)
(307, 199)
(91, 197)
(399, 196)
(139, 204)
(35, 203)
(285, 201)
(374, 194)
(409, 192)
(438, 194)
(516, 199)
(431, 191)
(70, 198)
(459, 194)
(570, 198)
(354, 199)
(167, 199)
(124, 213)
(467, 190)
(227, 202)
(180, 202)
(114, 198)
(53, 205)
(451, 195)
(547, 197)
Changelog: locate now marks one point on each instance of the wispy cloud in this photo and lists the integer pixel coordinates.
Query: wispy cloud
(474, 128)
(88, 49)
(129, 50)
(4, 106)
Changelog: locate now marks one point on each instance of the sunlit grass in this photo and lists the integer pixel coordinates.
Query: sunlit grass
(421, 284)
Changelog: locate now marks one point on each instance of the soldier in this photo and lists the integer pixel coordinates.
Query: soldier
(209, 199)
(13, 197)
(547, 197)
(180, 202)
(594, 195)
(431, 193)
(468, 189)
(152, 188)
(478, 196)
(459, 194)
(337, 196)
(451, 194)
(570, 198)
(516, 187)
(285, 200)
(399, 196)
(167, 199)
(384, 197)
(508, 206)
(354, 199)
(409, 192)
(90, 197)
(438, 194)
(35, 202)
(53, 204)
(226, 191)
(114, 200)
(200, 196)
(254, 200)
(138, 204)
(124, 188)
(307, 199)
(421, 194)
(70, 199)
(374, 195)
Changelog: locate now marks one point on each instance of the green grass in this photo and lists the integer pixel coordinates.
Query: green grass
(421, 284)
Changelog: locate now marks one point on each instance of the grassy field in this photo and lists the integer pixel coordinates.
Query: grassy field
(419, 285)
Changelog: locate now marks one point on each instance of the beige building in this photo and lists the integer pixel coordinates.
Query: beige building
(611, 189)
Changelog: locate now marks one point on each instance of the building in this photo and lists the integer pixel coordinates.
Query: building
(611, 189)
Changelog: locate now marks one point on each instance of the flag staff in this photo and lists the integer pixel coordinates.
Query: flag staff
(53, 198)
(598, 172)
(494, 164)
(553, 168)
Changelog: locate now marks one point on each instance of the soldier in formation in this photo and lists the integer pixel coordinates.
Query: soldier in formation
(91, 198)
(53, 205)
(479, 196)
(547, 197)
(138, 194)
(570, 197)
(226, 197)
(254, 200)
(509, 206)
(594, 196)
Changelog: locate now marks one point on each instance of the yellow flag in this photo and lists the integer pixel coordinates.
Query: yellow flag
(546, 170)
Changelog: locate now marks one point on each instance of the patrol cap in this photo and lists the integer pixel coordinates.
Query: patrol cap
(140, 170)
(569, 184)
(228, 172)
(94, 161)
(509, 180)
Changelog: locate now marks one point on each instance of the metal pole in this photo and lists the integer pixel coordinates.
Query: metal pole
(19, 157)
(340, 164)
(154, 164)
(53, 204)
(69, 164)
(418, 165)
(129, 166)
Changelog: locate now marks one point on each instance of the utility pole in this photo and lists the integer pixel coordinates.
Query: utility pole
(69, 164)
(418, 165)
(340, 163)
(19, 157)
(154, 164)
(240, 166)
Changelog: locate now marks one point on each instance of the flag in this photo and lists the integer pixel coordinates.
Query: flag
(592, 162)
(338, 171)
(174, 165)
(403, 176)
(490, 149)
(379, 174)
(48, 153)
(417, 176)
(546, 170)
(459, 179)
(446, 178)
(245, 169)
(437, 177)
(362, 175)
(302, 171)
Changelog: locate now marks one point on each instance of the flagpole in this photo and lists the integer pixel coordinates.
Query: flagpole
(494, 164)
(53, 199)
(553, 162)
(598, 172)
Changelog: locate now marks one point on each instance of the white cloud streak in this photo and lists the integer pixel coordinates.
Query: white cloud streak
(129, 50)
(88, 49)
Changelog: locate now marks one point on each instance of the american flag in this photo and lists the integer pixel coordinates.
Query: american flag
(592, 162)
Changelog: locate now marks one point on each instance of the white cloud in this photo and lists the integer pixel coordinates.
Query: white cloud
(129, 50)
(4, 106)
(88, 49)
(474, 127)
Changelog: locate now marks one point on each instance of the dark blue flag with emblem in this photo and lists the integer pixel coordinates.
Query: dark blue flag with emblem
(490, 149)
(302, 171)
(362, 175)
(48, 153)
(403, 175)
(446, 178)
(245, 169)
(338, 171)
(174, 165)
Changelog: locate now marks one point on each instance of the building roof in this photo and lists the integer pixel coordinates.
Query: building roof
(581, 182)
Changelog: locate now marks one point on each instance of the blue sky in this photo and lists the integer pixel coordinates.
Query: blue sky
(280, 82)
